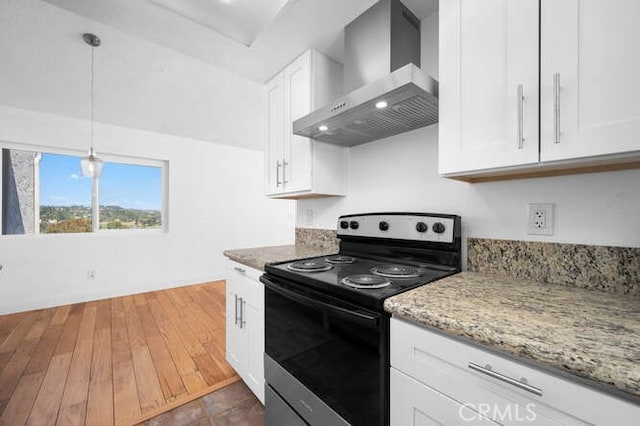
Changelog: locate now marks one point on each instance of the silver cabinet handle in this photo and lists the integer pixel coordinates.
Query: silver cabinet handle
(556, 107)
(244, 321)
(235, 308)
(239, 269)
(284, 172)
(278, 165)
(520, 106)
(522, 383)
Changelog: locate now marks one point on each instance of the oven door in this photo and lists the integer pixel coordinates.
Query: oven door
(333, 348)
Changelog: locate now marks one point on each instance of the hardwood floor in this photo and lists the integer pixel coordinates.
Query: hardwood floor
(115, 361)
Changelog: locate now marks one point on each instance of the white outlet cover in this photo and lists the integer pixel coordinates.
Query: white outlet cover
(540, 218)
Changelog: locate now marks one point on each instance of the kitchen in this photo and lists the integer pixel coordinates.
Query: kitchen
(148, 109)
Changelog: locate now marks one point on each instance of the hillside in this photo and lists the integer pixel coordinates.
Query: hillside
(64, 219)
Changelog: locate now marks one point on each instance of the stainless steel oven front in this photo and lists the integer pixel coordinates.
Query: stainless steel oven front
(325, 359)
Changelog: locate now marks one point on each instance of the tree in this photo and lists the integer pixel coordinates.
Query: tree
(68, 226)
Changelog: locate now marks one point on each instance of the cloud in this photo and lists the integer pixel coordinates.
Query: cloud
(73, 176)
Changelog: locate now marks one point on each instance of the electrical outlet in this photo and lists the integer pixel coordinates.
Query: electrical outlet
(91, 274)
(540, 219)
(309, 216)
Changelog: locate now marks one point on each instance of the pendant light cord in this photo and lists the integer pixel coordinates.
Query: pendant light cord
(93, 96)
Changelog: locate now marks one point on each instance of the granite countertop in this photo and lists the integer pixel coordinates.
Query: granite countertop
(258, 256)
(588, 333)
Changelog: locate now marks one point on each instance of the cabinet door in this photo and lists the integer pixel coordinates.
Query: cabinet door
(253, 322)
(488, 49)
(297, 92)
(245, 325)
(236, 351)
(593, 47)
(274, 152)
(414, 404)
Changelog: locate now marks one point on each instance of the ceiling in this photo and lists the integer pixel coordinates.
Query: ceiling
(240, 20)
(236, 35)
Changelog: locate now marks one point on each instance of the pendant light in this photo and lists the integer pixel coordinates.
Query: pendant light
(91, 165)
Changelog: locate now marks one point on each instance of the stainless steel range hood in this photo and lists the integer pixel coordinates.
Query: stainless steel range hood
(390, 93)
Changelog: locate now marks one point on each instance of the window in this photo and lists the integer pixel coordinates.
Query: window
(65, 196)
(130, 196)
(44, 192)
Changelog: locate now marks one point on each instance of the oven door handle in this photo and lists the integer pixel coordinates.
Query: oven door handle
(353, 316)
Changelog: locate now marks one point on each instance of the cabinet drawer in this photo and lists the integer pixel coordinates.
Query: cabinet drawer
(243, 270)
(476, 376)
(246, 280)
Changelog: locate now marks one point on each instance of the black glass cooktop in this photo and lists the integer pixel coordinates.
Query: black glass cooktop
(331, 281)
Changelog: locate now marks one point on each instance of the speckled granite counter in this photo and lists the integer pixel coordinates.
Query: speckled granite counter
(591, 334)
(309, 243)
(257, 257)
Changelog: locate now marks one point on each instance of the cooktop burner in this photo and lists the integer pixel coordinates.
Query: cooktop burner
(397, 271)
(340, 259)
(309, 266)
(366, 281)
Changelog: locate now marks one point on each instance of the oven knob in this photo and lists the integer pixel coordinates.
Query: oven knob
(438, 228)
(344, 224)
(353, 224)
(383, 226)
(421, 227)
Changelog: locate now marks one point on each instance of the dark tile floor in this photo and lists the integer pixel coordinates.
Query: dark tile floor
(233, 405)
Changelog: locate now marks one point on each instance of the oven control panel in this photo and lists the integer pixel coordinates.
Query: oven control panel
(398, 226)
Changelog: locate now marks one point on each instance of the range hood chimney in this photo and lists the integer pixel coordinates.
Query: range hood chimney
(389, 93)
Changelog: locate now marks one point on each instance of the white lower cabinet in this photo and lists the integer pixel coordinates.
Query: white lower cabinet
(245, 325)
(440, 380)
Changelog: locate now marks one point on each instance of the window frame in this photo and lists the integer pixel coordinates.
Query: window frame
(95, 208)
(2, 186)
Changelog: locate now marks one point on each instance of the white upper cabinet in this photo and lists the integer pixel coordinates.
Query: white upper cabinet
(575, 62)
(488, 54)
(296, 166)
(593, 49)
(297, 149)
(274, 151)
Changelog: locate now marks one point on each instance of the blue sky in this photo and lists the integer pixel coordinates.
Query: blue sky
(124, 185)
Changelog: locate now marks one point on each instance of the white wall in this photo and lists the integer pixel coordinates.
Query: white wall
(401, 174)
(216, 197)
(216, 202)
(46, 67)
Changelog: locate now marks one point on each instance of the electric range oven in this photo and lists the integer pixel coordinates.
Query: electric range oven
(326, 331)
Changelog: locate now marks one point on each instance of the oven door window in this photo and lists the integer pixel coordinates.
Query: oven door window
(331, 347)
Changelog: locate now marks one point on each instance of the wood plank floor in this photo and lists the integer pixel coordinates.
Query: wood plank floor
(114, 361)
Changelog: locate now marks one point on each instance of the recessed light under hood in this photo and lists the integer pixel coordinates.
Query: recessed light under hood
(392, 94)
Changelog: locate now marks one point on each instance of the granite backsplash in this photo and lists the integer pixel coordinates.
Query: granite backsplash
(321, 238)
(610, 269)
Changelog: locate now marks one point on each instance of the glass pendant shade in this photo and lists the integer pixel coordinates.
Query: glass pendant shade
(91, 165)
